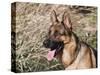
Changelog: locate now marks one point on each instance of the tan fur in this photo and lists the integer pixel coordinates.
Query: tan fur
(71, 58)
(84, 59)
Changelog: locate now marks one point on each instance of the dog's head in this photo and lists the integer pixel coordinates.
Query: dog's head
(58, 35)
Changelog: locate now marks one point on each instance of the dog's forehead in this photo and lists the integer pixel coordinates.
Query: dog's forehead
(57, 26)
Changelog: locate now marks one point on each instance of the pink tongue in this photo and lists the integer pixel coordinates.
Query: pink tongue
(50, 55)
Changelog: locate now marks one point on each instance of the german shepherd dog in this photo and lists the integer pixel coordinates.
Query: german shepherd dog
(65, 45)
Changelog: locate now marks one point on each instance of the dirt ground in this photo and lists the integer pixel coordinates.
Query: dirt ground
(31, 24)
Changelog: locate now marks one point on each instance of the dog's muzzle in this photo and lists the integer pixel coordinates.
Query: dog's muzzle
(52, 44)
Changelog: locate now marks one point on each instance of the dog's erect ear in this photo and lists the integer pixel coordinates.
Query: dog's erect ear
(54, 17)
(67, 21)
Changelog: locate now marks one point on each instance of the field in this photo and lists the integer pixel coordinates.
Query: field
(30, 23)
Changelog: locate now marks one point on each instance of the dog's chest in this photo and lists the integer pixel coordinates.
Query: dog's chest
(66, 58)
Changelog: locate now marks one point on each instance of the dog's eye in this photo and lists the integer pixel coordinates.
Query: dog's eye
(56, 33)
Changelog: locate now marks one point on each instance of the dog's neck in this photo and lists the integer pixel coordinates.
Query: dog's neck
(70, 51)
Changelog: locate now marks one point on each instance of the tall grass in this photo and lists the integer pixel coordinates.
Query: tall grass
(32, 23)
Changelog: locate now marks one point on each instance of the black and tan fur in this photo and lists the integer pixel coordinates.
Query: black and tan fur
(73, 53)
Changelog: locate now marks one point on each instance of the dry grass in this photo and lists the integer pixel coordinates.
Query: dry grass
(32, 23)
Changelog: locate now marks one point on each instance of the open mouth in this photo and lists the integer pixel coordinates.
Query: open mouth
(53, 52)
